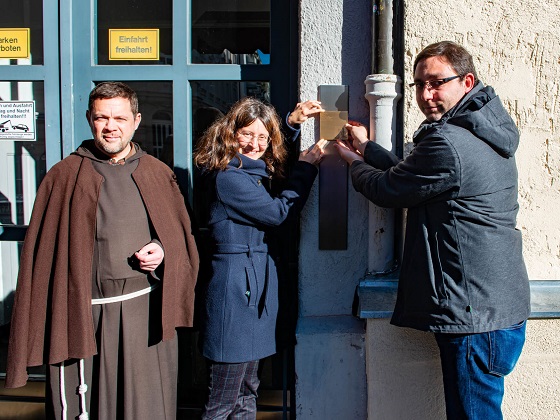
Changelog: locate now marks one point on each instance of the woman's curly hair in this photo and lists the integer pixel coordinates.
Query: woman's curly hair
(219, 145)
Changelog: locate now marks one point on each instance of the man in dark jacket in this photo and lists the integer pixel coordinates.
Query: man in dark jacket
(462, 275)
(107, 272)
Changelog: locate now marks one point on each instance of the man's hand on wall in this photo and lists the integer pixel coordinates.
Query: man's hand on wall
(358, 134)
(345, 151)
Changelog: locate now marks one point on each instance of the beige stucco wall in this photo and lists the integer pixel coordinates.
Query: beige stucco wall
(516, 47)
(517, 51)
(404, 376)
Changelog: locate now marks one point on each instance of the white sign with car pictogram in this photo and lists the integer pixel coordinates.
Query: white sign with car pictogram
(17, 120)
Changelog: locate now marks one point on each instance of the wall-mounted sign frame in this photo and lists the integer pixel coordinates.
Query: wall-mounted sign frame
(133, 44)
(333, 170)
(14, 43)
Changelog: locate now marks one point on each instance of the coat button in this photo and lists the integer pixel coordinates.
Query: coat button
(259, 182)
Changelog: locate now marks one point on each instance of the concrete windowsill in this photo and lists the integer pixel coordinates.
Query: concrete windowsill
(377, 296)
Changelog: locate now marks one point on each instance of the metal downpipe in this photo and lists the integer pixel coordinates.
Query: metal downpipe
(383, 93)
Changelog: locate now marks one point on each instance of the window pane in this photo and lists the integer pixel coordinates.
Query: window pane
(24, 14)
(231, 32)
(22, 167)
(140, 18)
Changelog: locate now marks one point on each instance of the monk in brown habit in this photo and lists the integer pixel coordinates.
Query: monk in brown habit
(107, 273)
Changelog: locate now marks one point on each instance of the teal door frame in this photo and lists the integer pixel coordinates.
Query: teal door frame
(79, 71)
(69, 71)
(48, 72)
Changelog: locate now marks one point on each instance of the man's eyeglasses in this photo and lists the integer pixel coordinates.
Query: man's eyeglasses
(433, 84)
(248, 137)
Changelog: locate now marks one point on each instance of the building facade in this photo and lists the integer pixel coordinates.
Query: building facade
(189, 60)
(516, 51)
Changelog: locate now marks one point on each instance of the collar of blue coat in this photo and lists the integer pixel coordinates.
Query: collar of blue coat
(255, 167)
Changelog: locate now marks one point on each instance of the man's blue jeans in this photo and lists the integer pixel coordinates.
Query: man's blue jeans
(474, 366)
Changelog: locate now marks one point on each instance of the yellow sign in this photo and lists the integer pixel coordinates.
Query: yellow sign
(133, 44)
(14, 43)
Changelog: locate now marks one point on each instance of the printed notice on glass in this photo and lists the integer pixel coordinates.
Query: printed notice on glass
(17, 120)
(14, 43)
(133, 44)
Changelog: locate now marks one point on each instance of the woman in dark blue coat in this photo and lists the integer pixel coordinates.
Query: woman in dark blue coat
(239, 154)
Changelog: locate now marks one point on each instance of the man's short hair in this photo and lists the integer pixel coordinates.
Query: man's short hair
(110, 90)
(456, 55)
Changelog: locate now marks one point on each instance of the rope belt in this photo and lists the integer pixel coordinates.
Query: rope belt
(121, 298)
(82, 388)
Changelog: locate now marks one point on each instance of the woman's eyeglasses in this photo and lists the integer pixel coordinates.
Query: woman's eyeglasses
(248, 137)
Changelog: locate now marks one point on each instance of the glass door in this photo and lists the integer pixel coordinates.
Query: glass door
(29, 129)
(30, 143)
(188, 62)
